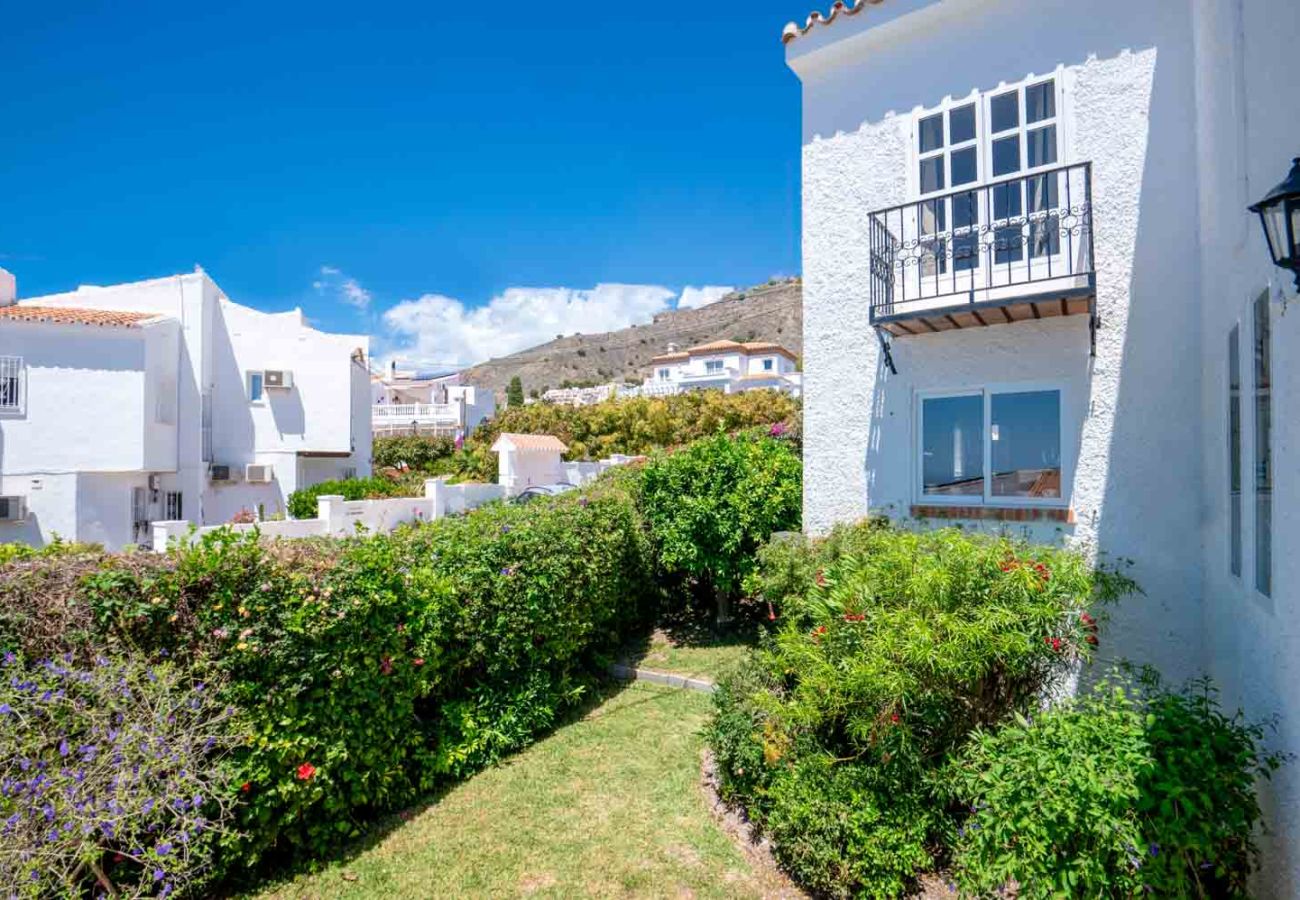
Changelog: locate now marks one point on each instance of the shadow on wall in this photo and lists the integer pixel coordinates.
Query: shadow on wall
(287, 411)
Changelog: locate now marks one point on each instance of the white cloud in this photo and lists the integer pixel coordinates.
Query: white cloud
(694, 298)
(436, 329)
(333, 282)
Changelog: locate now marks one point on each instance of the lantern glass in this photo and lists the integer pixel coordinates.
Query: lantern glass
(1274, 218)
(1295, 230)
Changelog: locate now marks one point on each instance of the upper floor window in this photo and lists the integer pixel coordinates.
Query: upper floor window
(663, 374)
(712, 366)
(256, 387)
(11, 384)
(769, 365)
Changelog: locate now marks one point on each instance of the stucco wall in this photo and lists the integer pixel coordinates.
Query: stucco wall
(1131, 439)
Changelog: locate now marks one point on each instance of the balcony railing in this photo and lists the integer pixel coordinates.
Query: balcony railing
(1015, 241)
(416, 413)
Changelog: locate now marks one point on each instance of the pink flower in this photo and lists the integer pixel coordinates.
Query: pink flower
(306, 772)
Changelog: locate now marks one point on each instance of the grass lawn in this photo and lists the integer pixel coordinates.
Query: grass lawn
(707, 660)
(608, 806)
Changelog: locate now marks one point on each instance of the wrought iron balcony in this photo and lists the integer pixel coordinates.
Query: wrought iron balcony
(1011, 250)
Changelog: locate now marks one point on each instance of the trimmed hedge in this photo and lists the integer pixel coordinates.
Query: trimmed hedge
(368, 670)
(302, 504)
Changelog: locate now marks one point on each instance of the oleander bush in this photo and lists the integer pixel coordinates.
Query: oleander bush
(890, 648)
(1130, 790)
(711, 505)
(366, 671)
(114, 775)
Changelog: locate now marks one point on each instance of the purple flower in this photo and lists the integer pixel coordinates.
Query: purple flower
(163, 849)
(1154, 849)
(777, 430)
(10, 659)
(159, 874)
(5, 709)
(64, 750)
(509, 570)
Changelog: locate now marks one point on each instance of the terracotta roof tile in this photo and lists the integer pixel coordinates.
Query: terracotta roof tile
(532, 442)
(715, 347)
(671, 357)
(838, 8)
(67, 315)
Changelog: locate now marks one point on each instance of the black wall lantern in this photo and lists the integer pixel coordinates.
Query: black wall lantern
(1280, 213)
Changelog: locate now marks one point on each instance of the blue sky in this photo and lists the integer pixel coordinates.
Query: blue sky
(429, 158)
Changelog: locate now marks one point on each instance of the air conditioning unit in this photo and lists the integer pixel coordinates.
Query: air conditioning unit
(13, 509)
(277, 379)
(256, 474)
(220, 473)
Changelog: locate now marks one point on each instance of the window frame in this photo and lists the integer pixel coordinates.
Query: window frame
(987, 498)
(18, 408)
(1236, 459)
(1262, 446)
(173, 504)
(714, 366)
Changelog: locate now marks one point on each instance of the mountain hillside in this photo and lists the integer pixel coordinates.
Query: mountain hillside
(769, 312)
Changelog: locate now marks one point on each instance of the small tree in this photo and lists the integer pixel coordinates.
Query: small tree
(515, 393)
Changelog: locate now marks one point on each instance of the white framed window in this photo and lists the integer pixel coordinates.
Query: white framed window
(1234, 450)
(712, 366)
(1263, 461)
(256, 387)
(12, 385)
(769, 365)
(173, 506)
(663, 374)
(994, 142)
(992, 445)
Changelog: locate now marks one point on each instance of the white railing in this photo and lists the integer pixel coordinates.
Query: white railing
(402, 413)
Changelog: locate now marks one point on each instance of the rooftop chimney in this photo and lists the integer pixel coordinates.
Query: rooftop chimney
(8, 288)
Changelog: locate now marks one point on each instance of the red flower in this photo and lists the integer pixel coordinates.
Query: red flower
(246, 787)
(894, 718)
(306, 772)
(417, 662)
(1056, 644)
(1092, 639)
(386, 665)
(855, 617)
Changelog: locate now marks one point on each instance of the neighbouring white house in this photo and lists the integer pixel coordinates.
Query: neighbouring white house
(584, 396)
(728, 366)
(165, 400)
(435, 402)
(528, 460)
(1035, 299)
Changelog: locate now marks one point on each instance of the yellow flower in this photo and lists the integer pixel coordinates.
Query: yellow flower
(241, 646)
(243, 612)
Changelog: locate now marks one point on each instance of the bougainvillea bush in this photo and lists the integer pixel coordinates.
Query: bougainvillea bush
(890, 648)
(368, 670)
(1131, 790)
(113, 775)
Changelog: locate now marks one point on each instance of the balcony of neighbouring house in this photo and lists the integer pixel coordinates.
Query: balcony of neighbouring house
(1012, 250)
(418, 418)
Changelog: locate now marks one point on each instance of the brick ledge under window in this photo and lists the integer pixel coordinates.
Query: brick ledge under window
(997, 513)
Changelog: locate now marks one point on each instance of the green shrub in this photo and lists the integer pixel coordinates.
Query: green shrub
(1130, 790)
(115, 778)
(891, 647)
(415, 452)
(302, 504)
(710, 506)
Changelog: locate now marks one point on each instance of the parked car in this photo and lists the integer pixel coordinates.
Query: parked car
(530, 494)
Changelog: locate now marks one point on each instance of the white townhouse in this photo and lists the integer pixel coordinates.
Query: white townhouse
(415, 402)
(163, 400)
(729, 366)
(1035, 298)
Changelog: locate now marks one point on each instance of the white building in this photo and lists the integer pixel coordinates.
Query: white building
(1034, 298)
(164, 400)
(583, 396)
(412, 402)
(728, 366)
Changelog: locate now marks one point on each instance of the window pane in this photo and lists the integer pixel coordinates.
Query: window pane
(1006, 155)
(254, 385)
(952, 446)
(932, 174)
(1234, 449)
(1006, 200)
(1045, 236)
(965, 210)
(1025, 432)
(1042, 146)
(964, 170)
(1263, 450)
(1008, 244)
(965, 251)
(961, 124)
(1005, 111)
(1043, 192)
(934, 216)
(1040, 102)
(931, 133)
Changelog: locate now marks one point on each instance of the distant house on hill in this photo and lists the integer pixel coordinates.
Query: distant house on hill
(728, 366)
(433, 402)
(164, 400)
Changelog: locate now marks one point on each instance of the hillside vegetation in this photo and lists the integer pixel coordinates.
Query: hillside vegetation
(769, 312)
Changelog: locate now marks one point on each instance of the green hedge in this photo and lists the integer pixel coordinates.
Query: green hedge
(368, 670)
(302, 504)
